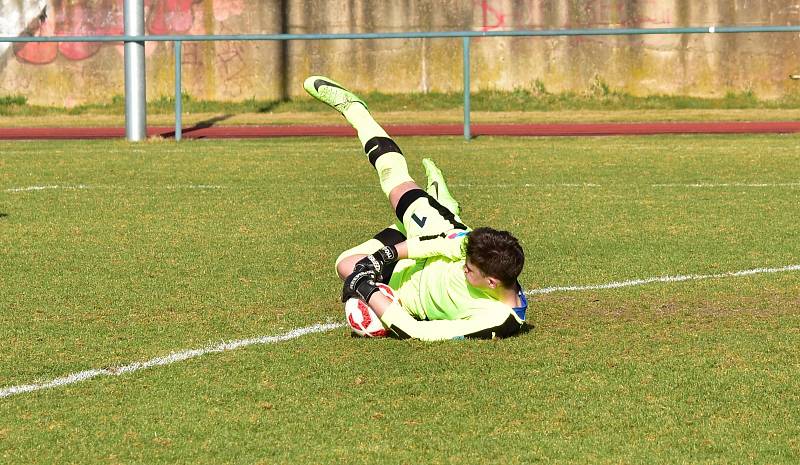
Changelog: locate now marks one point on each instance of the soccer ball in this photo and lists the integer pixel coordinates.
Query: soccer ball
(362, 320)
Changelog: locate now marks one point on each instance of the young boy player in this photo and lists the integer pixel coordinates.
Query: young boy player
(450, 282)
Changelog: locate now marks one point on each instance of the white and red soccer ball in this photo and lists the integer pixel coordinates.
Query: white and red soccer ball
(362, 320)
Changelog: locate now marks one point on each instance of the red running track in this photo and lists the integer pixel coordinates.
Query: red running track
(559, 129)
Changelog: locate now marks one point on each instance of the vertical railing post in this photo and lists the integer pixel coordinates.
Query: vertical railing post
(467, 134)
(135, 83)
(178, 92)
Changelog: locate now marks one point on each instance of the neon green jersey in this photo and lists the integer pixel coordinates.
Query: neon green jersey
(449, 244)
(436, 289)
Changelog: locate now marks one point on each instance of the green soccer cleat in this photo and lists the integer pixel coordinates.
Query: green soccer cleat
(331, 92)
(437, 187)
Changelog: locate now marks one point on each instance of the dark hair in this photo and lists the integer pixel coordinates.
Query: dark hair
(496, 253)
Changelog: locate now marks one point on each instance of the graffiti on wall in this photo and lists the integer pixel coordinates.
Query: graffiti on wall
(495, 14)
(13, 18)
(105, 17)
(243, 66)
(493, 18)
(167, 17)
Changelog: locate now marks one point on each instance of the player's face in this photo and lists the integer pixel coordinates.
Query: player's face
(475, 276)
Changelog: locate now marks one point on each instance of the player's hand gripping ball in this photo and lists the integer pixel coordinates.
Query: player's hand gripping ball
(362, 320)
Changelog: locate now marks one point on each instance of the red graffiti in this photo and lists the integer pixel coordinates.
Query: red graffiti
(493, 18)
(92, 18)
(171, 17)
(530, 14)
(37, 53)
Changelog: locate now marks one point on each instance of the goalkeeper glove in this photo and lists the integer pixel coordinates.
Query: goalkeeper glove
(359, 284)
(377, 262)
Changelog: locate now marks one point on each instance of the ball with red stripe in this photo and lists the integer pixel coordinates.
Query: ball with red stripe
(362, 320)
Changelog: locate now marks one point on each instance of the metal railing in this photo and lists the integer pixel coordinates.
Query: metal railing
(465, 36)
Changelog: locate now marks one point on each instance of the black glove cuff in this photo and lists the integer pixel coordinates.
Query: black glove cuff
(360, 284)
(365, 288)
(388, 253)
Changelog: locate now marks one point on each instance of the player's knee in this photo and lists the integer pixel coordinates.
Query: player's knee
(399, 191)
(347, 259)
(379, 146)
(405, 200)
(390, 236)
(345, 263)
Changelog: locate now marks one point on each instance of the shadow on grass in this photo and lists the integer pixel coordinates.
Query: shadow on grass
(269, 106)
(526, 328)
(3, 215)
(200, 125)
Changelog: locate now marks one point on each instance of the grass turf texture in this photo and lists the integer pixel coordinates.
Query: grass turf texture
(148, 248)
(598, 96)
(599, 103)
(453, 116)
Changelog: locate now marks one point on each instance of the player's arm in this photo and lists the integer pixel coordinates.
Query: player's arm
(379, 260)
(495, 321)
(448, 244)
(492, 321)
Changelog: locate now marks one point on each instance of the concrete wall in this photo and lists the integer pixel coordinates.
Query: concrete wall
(701, 65)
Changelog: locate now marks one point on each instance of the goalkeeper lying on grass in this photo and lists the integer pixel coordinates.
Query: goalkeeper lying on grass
(450, 282)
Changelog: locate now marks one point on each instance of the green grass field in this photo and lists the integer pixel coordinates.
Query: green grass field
(597, 103)
(113, 253)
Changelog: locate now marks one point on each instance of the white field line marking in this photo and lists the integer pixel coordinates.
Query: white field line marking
(589, 184)
(41, 188)
(167, 360)
(84, 186)
(320, 328)
(332, 186)
(539, 185)
(731, 184)
(467, 185)
(193, 186)
(664, 279)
